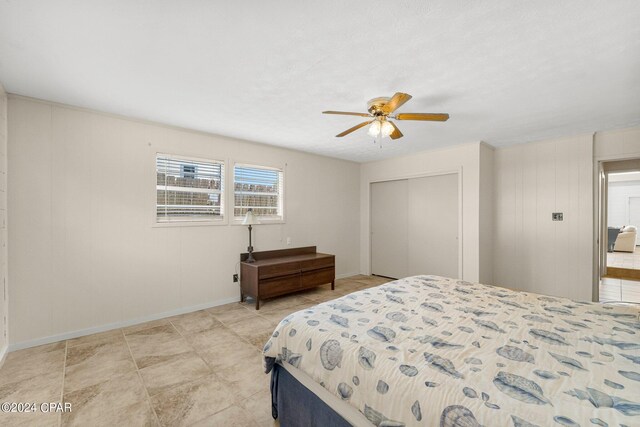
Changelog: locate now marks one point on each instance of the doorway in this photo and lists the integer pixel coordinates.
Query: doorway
(619, 222)
(415, 226)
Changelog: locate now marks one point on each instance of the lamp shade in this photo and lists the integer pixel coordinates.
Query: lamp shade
(386, 128)
(374, 129)
(250, 218)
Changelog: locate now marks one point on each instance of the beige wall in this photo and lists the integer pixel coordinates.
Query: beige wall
(464, 159)
(531, 252)
(4, 303)
(617, 144)
(85, 255)
(532, 180)
(486, 225)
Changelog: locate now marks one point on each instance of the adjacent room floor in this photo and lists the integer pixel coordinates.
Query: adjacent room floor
(202, 368)
(624, 259)
(619, 290)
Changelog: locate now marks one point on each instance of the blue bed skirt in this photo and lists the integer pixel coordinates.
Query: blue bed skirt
(296, 406)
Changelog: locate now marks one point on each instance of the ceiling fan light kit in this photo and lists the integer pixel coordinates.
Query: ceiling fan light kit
(386, 128)
(380, 110)
(374, 129)
(380, 128)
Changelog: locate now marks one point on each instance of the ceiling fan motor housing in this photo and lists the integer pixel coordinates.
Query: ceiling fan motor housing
(374, 106)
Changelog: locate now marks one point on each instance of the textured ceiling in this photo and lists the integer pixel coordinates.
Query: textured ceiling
(507, 71)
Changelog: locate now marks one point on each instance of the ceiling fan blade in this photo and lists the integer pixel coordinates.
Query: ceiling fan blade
(356, 127)
(396, 132)
(347, 113)
(395, 102)
(432, 117)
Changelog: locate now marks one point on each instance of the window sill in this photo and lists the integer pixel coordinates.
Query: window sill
(262, 222)
(188, 224)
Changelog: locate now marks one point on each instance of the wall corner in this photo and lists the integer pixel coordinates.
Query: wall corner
(486, 219)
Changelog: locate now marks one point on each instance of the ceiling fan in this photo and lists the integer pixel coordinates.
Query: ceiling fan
(380, 110)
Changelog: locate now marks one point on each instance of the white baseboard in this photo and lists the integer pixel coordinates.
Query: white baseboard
(3, 354)
(123, 324)
(116, 325)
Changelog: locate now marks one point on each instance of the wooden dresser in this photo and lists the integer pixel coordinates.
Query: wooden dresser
(284, 271)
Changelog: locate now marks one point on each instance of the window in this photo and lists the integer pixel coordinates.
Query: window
(189, 189)
(189, 171)
(259, 188)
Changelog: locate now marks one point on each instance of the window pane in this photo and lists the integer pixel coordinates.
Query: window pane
(188, 189)
(259, 189)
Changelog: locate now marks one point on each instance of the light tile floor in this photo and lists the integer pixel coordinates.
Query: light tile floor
(198, 369)
(624, 259)
(619, 290)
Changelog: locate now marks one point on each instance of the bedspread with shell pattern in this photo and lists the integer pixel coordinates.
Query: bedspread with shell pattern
(433, 351)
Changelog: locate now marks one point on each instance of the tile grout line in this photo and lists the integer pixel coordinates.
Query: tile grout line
(124, 336)
(213, 373)
(205, 362)
(195, 350)
(257, 312)
(226, 326)
(149, 401)
(251, 416)
(175, 385)
(64, 374)
(238, 335)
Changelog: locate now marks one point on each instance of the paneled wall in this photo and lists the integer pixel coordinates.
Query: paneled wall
(4, 303)
(85, 253)
(486, 233)
(617, 144)
(532, 252)
(464, 159)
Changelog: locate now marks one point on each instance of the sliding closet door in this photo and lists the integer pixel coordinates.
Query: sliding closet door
(433, 225)
(389, 228)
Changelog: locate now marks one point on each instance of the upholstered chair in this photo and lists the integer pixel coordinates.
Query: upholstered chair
(626, 241)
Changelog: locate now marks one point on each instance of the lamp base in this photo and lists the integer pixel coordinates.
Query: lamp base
(250, 257)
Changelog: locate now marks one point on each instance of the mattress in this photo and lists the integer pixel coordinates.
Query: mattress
(429, 350)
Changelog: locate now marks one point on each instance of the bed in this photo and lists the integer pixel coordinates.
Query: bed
(433, 351)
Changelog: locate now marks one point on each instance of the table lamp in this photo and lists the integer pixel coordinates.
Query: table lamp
(250, 219)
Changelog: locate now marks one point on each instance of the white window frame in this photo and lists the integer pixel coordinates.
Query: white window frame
(222, 220)
(281, 201)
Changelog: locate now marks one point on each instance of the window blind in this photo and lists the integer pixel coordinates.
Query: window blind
(189, 189)
(259, 188)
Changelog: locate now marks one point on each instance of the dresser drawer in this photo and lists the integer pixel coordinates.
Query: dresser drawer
(279, 285)
(318, 277)
(315, 264)
(276, 270)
